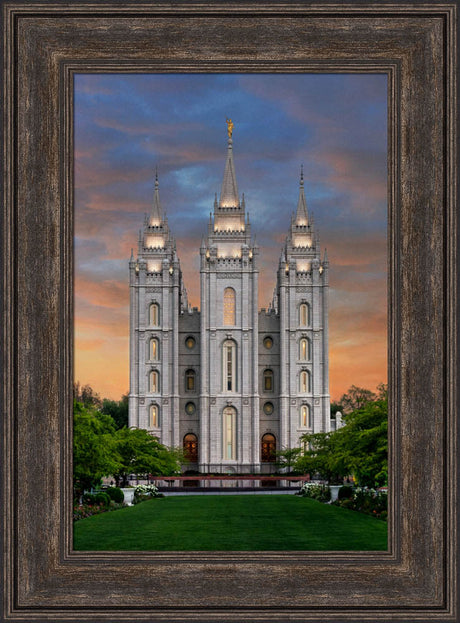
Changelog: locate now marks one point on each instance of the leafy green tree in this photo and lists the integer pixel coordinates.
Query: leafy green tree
(117, 409)
(363, 443)
(140, 453)
(358, 448)
(86, 395)
(94, 454)
(286, 458)
(355, 398)
(321, 457)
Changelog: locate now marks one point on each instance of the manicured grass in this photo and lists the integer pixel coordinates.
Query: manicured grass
(231, 522)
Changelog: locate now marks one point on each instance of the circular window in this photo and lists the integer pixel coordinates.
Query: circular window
(190, 408)
(190, 342)
(268, 342)
(268, 408)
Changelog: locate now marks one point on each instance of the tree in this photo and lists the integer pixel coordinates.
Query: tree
(320, 457)
(86, 395)
(363, 443)
(355, 398)
(117, 409)
(141, 453)
(286, 458)
(359, 448)
(94, 454)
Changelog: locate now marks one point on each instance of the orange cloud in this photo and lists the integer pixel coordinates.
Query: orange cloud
(107, 293)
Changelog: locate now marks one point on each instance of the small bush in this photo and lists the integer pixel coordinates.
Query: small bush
(345, 493)
(86, 510)
(322, 493)
(347, 503)
(115, 494)
(102, 498)
(89, 499)
(145, 492)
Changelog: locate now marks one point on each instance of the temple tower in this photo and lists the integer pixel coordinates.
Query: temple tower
(229, 423)
(156, 298)
(302, 302)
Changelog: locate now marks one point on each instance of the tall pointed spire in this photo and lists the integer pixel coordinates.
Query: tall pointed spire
(156, 213)
(301, 217)
(229, 192)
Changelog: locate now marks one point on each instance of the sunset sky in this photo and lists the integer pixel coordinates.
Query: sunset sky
(127, 125)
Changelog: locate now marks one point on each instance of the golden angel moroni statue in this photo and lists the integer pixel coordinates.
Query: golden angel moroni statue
(229, 127)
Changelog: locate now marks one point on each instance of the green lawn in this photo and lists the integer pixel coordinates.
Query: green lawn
(231, 522)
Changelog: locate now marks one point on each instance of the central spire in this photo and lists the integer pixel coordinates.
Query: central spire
(302, 213)
(156, 215)
(229, 193)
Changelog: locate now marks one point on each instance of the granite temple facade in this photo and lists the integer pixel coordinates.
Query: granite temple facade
(229, 383)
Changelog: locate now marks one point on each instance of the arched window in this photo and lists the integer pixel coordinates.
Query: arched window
(229, 366)
(154, 349)
(229, 430)
(305, 381)
(154, 382)
(154, 416)
(268, 449)
(190, 378)
(229, 307)
(304, 314)
(191, 448)
(305, 420)
(268, 380)
(305, 351)
(154, 315)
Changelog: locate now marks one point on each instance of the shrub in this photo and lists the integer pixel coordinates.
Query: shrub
(86, 510)
(346, 503)
(89, 499)
(345, 493)
(115, 494)
(322, 493)
(102, 498)
(145, 492)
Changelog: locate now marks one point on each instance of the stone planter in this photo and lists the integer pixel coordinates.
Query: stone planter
(128, 492)
(334, 492)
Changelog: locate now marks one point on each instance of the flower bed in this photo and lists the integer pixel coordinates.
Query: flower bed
(322, 493)
(369, 501)
(145, 492)
(81, 511)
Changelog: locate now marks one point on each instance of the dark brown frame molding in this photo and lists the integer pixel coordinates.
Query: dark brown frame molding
(45, 44)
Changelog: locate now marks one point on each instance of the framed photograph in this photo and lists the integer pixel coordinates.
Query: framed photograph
(46, 47)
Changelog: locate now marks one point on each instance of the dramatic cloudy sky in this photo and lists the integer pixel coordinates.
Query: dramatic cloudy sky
(126, 125)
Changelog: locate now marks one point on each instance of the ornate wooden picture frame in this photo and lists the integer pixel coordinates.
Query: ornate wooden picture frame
(45, 45)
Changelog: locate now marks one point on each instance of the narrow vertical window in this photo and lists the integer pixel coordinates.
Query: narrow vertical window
(304, 313)
(305, 353)
(154, 315)
(304, 381)
(190, 380)
(268, 380)
(154, 385)
(229, 366)
(305, 420)
(229, 307)
(154, 349)
(153, 416)
(229, 433)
